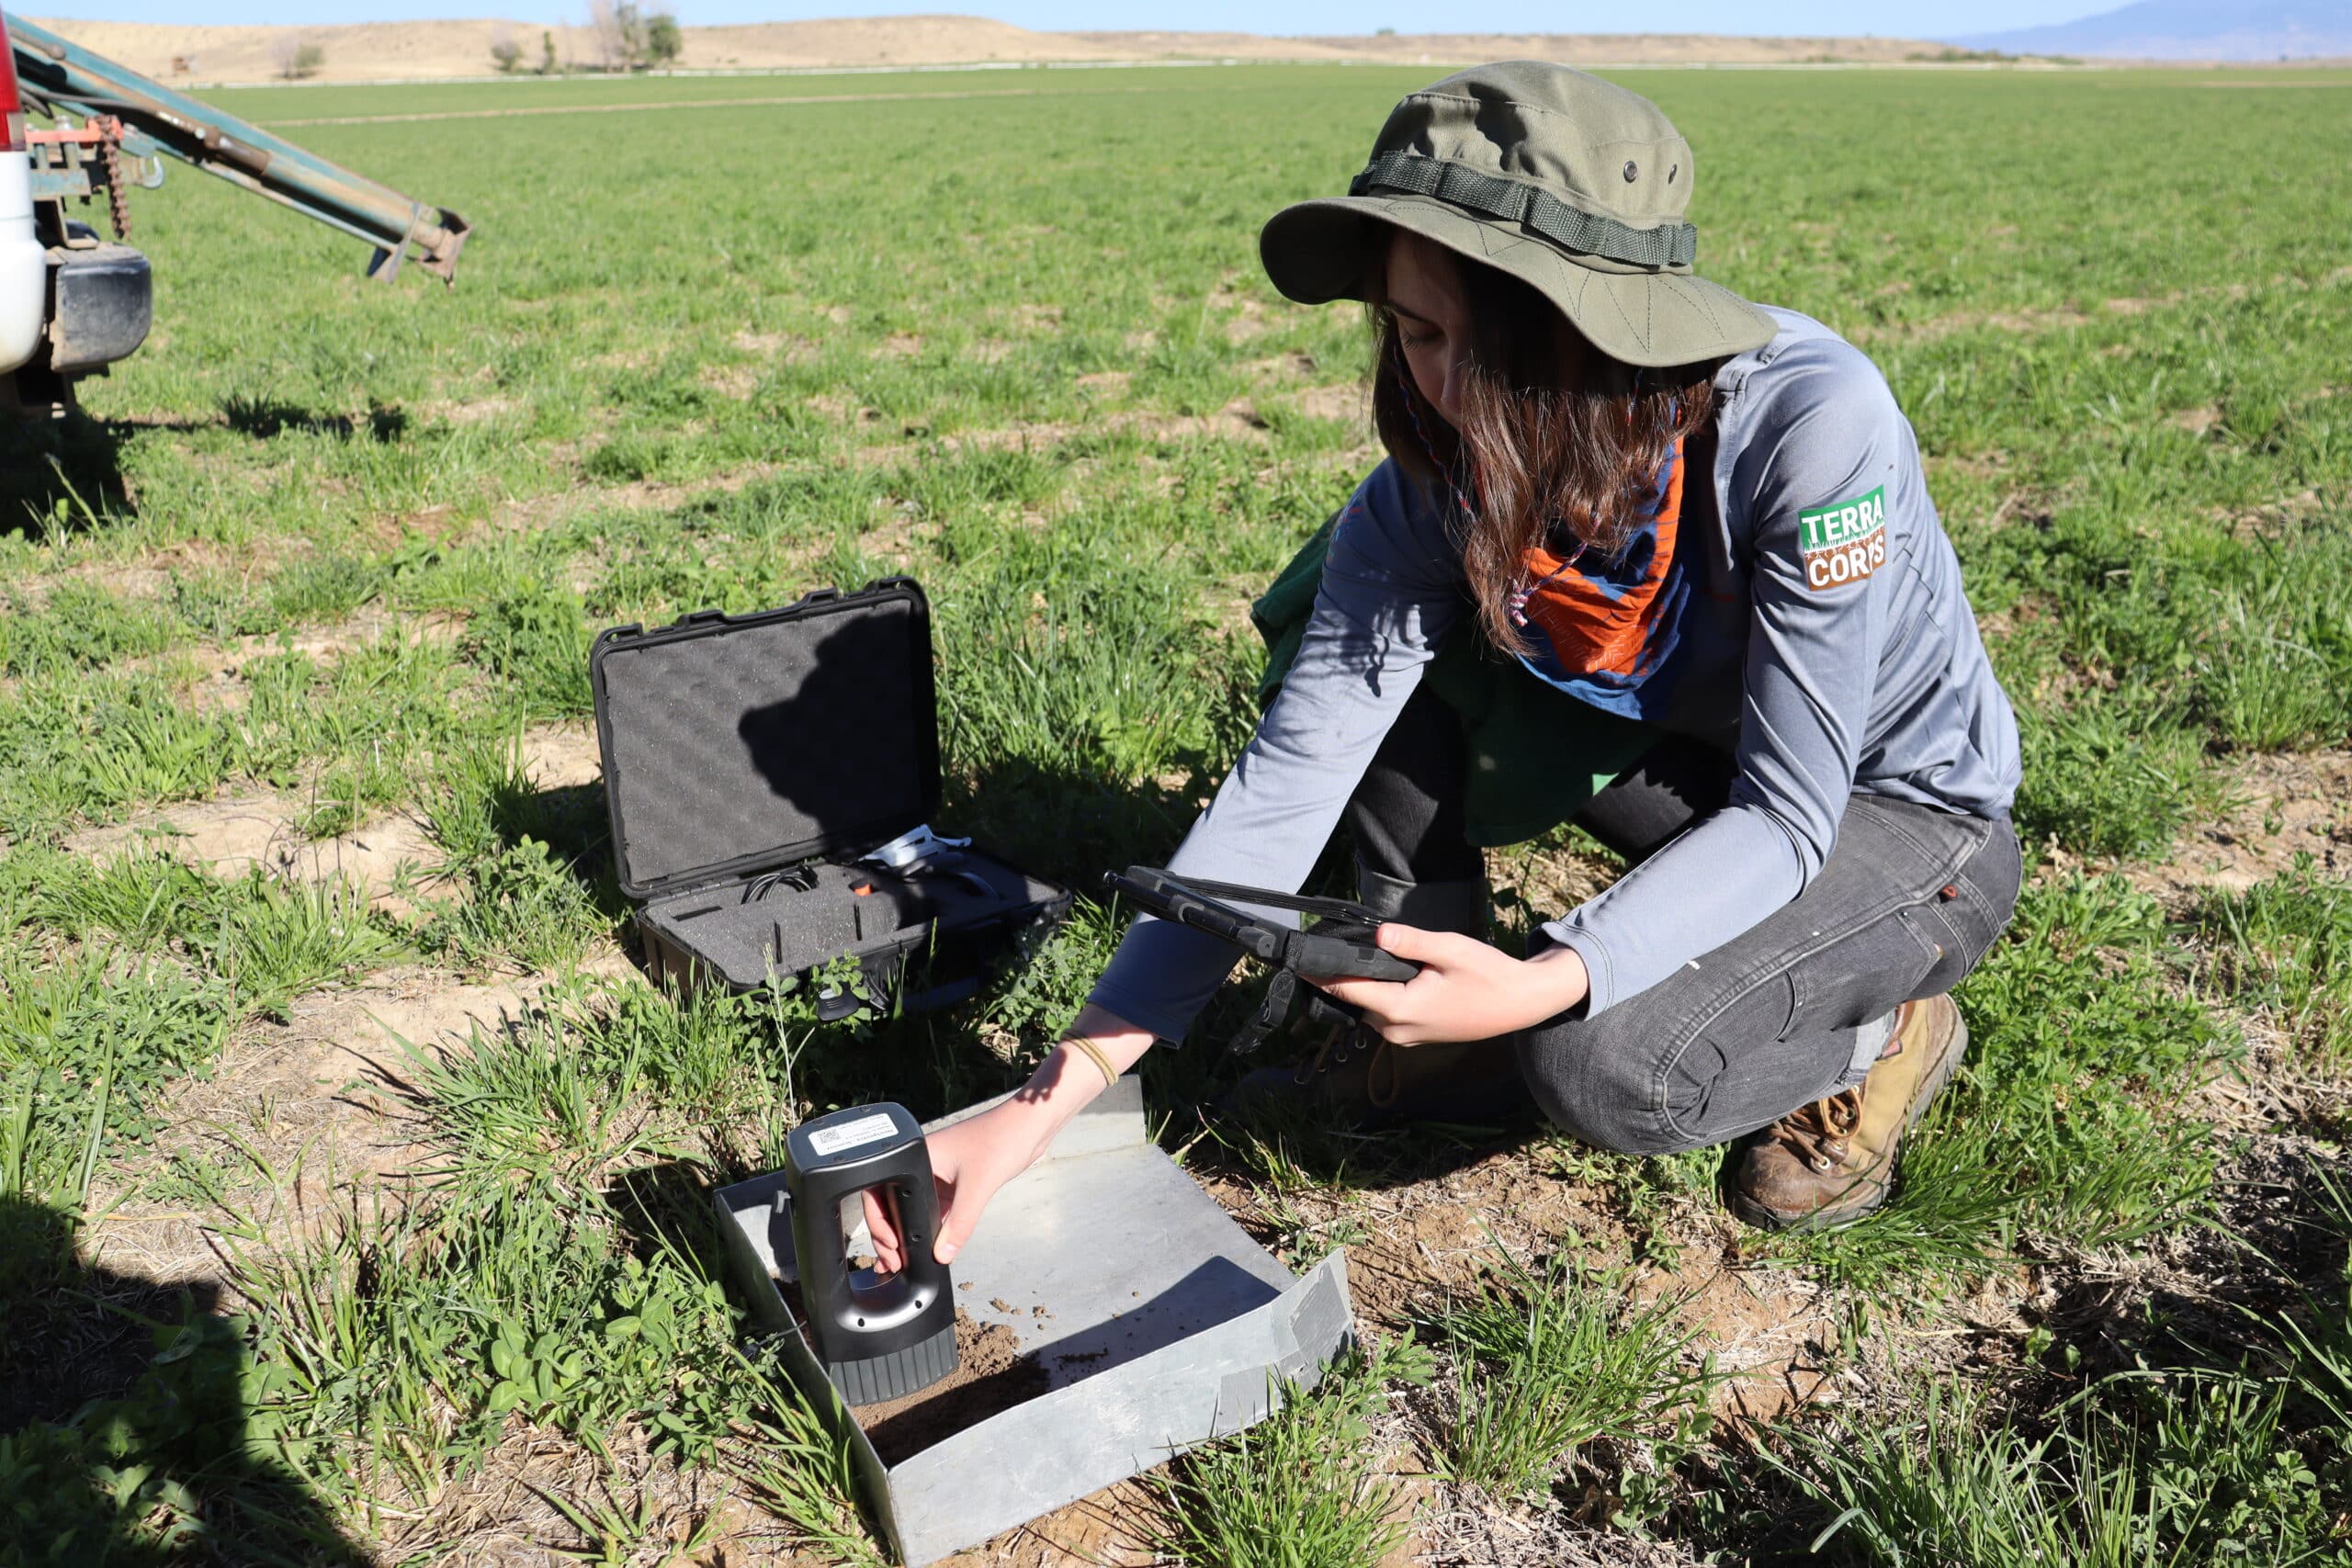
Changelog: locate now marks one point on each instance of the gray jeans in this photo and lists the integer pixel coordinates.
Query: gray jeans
(1796, 1007)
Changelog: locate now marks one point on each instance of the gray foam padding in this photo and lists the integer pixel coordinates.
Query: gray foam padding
(772, 738)
(795, 929)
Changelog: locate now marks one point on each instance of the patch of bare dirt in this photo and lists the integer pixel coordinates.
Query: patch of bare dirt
(1040, 320)
(1237, 421)
(2286, 805)
(735, 381)
(2041, 319)
(501, 1513)
(992, 1374)
(134, 580)
(232, 834)
(1350, 401)
(2278, 519)
(833, 405)
(1409, 1241)
(1099, 1530)
(899, 345)
(2024, 321)
(149, 574)
(241, 830)
(1767, 1329)
(1249, 319)
(473, 411)
(295, 1112)
(561, 756)
(543, 511)
(791, 346)
(895, 538)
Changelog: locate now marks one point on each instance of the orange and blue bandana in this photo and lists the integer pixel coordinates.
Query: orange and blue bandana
(1603, 628)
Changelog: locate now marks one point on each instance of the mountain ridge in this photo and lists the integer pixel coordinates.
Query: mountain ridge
(2190, 29)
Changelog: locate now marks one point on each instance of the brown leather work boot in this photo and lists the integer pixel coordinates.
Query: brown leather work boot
(1829, 1163)
(1358, 1078)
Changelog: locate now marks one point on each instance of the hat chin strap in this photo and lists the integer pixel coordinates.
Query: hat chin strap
(1541, 212)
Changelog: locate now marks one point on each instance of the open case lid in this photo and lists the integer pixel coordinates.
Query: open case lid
(735, 743)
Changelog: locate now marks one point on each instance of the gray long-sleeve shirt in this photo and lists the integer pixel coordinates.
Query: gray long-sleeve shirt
(1829, 648)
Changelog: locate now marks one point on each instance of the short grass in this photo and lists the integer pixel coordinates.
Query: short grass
(341, 547)
(1553, 1368)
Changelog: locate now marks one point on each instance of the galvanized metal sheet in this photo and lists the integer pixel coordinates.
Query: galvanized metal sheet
(1160, 1325)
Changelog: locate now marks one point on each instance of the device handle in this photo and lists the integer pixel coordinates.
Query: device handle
(865, 1305)
(885, 1298)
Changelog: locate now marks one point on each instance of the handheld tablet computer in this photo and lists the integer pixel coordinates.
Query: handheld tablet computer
(1335, 944)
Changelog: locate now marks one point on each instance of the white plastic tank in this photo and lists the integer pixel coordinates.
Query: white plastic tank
(24, 282)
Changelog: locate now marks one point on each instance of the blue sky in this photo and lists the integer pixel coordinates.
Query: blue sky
(1917, 18)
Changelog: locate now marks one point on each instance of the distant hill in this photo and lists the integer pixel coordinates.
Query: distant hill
(2191, 30)
(194, 55)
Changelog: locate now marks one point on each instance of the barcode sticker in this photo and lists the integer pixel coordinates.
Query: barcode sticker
(831, 1141)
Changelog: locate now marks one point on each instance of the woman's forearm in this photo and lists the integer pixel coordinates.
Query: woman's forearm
(1067, 1080)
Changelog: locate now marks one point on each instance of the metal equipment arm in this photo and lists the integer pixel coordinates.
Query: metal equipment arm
(63, 76)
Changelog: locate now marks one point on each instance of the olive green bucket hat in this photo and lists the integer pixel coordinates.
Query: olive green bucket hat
(1565, 182)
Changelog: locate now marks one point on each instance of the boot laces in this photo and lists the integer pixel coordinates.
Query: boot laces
(1819, 1133)
(1383, 1079)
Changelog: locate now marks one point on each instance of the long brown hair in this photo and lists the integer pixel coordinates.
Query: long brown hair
(1553, 432)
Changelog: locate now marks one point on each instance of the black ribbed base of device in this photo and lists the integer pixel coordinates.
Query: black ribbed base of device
(898, 1374)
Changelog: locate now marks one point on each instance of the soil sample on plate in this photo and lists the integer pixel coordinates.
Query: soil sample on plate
(992, 1374)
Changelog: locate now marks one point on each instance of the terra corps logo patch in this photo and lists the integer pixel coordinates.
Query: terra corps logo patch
(1843, 542)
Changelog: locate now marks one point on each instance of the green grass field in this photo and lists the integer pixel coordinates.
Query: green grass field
(353, 1186)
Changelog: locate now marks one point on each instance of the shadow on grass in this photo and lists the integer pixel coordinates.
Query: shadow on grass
(572, 822)
(2274, 1245)
(666, 1206)
(268, 417)
(126, 1436)
(59, 475)
(1068, 826)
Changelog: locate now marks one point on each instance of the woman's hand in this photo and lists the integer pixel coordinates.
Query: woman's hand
(972, 1159)
(1468, 990)
(968, 1162)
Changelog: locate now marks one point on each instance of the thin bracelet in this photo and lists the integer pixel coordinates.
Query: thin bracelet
(1094, 1055)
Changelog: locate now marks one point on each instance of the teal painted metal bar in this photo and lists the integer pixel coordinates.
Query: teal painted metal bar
(66, 76)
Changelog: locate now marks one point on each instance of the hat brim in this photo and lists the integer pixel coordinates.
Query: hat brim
(1319, 251)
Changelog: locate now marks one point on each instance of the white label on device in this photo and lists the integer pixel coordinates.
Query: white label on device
(831, 1141)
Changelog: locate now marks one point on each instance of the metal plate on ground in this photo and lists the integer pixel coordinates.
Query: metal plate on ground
(1158, 1322)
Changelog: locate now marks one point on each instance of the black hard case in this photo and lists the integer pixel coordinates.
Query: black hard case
(794, 740)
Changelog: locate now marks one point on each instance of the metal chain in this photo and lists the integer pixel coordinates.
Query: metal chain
(110, 161)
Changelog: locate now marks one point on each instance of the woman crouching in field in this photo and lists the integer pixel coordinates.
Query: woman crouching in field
(1643, 556)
